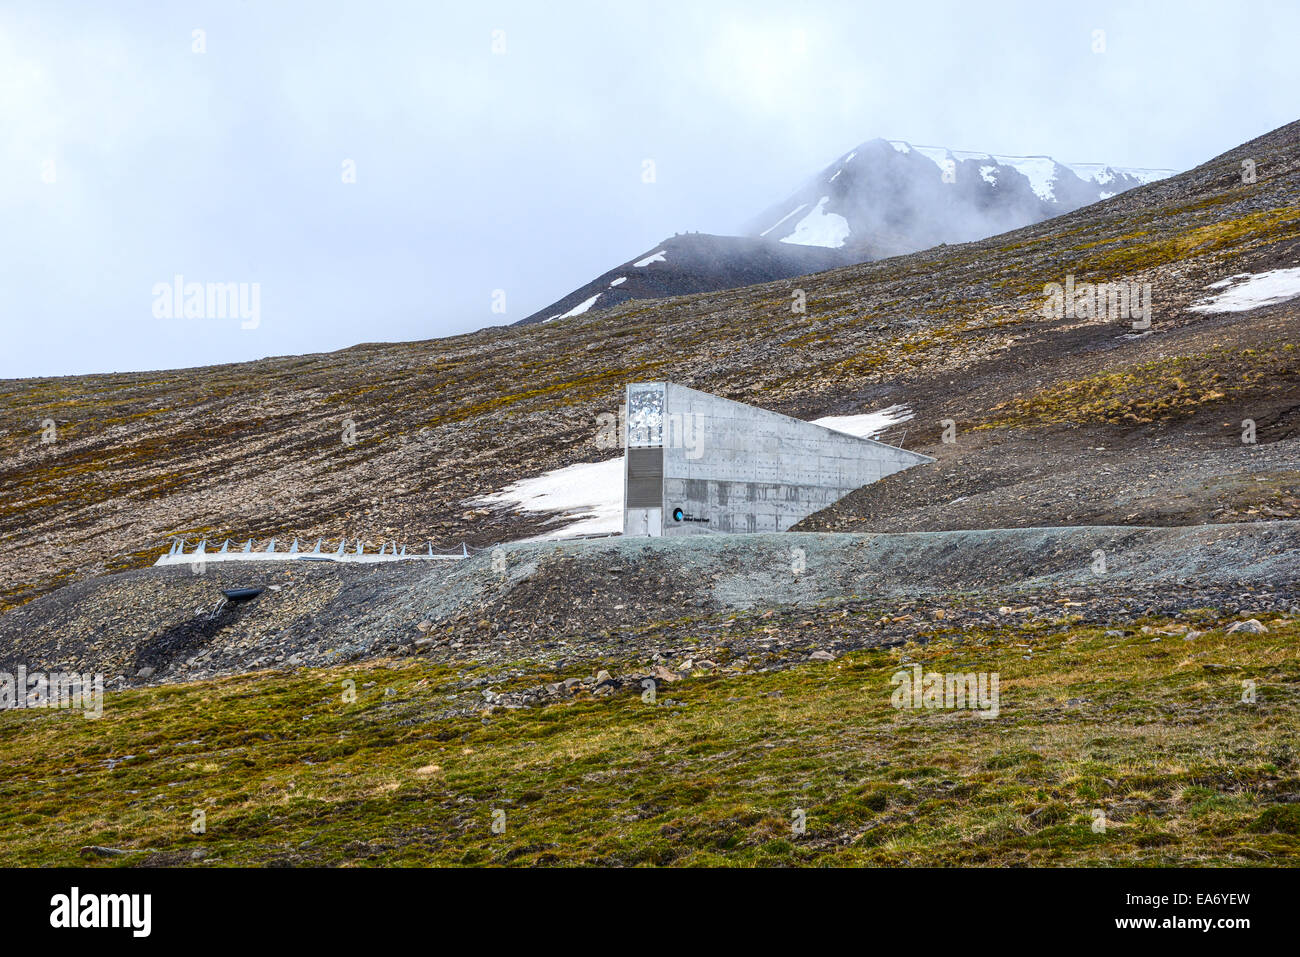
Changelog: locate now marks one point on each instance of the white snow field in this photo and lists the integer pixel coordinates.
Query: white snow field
(820, 228)
(1251, 290)
(1101, 174)
(589, 496)
(1041, 171)
(577, 310)
(869, 424)
(657, 257)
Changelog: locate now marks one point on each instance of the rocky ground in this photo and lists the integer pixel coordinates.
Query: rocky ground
(734, 604)
(1176, 734)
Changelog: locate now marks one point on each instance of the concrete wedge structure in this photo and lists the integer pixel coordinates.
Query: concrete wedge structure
(696, 463)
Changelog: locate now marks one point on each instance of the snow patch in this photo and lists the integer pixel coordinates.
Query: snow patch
(820, 228)
(989, 174)
(1104, 175)
(1039, 170)
(1098, 173)
(1247, 291)
(783, 218)
(618, 282)
(589, 496)
(869, 424)
(579, 309)
(1145, 176)
(652, 258)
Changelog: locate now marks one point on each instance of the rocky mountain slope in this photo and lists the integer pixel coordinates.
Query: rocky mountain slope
(882, 198)
(690, 263)
(1055, 419)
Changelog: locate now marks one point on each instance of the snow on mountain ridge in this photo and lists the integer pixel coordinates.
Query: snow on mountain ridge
(1040, 170)
(820, 228)
(883, 198)
(887, 197)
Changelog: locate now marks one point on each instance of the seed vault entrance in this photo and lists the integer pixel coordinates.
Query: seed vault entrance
(696, 464)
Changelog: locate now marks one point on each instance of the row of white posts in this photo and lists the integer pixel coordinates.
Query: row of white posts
(388, 552)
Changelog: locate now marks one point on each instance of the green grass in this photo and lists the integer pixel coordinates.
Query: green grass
(288, 772)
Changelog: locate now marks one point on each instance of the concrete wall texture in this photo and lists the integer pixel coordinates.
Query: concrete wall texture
(731, 467)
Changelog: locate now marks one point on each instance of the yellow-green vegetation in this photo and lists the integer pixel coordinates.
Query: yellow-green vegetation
(1126, 254)
(22, 593)
(1113, 240)
(1150, 729)
(1238, 233)
(1158, 390)
(931, 346)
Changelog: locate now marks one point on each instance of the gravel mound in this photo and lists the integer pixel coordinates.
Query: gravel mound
(587, 599)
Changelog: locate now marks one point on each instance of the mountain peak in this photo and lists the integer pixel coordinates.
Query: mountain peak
(882, 198)
(902, 196)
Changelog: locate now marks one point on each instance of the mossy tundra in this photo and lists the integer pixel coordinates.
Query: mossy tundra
(1127, 746)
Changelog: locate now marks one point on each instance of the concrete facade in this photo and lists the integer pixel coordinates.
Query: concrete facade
(698, 464)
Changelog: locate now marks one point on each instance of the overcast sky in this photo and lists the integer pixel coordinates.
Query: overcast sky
(128, 158)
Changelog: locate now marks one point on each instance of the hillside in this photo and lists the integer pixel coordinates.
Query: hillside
(692, 263)
(1094, 534)
(257, 449)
